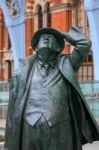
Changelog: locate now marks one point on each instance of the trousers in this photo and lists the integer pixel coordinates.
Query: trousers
(43, 137)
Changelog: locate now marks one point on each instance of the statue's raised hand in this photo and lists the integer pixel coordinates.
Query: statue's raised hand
(64, 34)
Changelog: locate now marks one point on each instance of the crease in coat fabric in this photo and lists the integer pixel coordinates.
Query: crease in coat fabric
(82, 127)
(77, 145)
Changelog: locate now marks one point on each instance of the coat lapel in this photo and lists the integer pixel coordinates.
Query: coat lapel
(68, 72)
(25, 79)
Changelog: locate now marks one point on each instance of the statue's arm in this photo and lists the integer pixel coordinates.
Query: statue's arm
(81, 47)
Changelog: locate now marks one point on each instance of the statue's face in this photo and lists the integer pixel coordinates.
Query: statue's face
(48, 41)
(47, 48)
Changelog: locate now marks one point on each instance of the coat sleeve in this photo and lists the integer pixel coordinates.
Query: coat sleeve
(81, 47)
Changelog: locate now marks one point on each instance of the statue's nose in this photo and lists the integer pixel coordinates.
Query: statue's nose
(46, 38)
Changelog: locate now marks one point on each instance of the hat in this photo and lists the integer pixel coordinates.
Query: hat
(51, 31)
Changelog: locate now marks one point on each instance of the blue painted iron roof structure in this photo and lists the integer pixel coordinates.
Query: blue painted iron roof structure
(92, 9)
(15, 22)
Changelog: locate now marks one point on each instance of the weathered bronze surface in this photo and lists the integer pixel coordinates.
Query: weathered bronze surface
(47, 110)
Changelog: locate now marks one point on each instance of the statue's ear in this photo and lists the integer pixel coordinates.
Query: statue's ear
(58, 48)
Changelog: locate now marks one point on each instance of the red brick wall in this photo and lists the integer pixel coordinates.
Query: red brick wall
(59, 20)
(63, 21)
(2, 74)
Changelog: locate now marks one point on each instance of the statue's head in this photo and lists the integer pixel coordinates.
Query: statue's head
(48, 38)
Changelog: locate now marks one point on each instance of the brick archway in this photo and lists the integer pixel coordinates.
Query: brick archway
(37, 8)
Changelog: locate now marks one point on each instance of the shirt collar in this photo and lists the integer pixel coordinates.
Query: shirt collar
(50, 63)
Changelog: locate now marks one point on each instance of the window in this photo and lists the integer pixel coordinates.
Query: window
(86, 70)
(48, 16)
(9, 43)
(9, 69)
(87, 22)
(40, 17)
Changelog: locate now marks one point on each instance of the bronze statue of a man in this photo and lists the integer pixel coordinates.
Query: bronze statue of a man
(47, 110)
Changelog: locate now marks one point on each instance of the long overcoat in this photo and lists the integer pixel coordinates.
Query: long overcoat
(82, 119)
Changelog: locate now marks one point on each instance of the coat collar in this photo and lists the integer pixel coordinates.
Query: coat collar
(28, 60)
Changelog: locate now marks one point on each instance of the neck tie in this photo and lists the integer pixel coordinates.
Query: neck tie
(44, 70)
